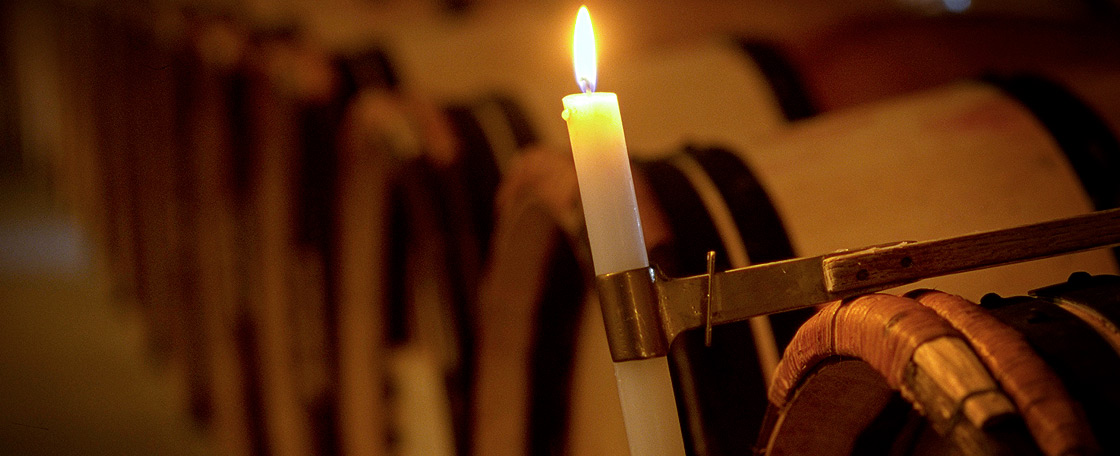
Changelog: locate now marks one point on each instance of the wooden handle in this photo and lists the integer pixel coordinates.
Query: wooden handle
(882, 267)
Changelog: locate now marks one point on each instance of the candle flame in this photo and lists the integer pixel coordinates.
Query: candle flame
(583, 51)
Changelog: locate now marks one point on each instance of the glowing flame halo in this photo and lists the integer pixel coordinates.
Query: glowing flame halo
(583, 51)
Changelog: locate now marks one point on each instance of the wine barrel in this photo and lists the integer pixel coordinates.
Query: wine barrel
(365, 166)
(531, 260)
(458, 195)
(114, 153)
(300, 190)
(140, 98)
(1053, 320)
(286, 114)
(977, 117)
(394, 293)
(267, 120)
(763, 232)
(858, 378)
(312, 265)
(936, 164)
(872, 59)
(283, 76)
(155, 77)
(427, 175)
(80, 170)
(421, 175)
(212, 224)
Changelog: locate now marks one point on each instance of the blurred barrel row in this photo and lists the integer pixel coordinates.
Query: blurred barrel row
(354, 227)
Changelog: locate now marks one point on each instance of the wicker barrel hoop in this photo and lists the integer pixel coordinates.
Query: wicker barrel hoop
(1057, 423)
(911, 348)
(931, 372)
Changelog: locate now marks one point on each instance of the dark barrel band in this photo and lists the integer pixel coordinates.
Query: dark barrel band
(785, 82)
(1099, 292)
(762, 230)
(554, 344)
(720, 390)
(1086, 363)
(1089, 144)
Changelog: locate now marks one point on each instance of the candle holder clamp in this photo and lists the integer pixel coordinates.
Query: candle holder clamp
(645, 311)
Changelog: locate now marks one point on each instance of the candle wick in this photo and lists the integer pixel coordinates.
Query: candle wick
(585, 85)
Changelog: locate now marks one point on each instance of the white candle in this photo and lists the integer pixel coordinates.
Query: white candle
(615, 231)
(605, 184)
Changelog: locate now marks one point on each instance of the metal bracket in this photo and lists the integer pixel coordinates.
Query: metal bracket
(644, 311)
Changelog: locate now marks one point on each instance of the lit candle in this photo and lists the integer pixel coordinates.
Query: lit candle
(615, 232)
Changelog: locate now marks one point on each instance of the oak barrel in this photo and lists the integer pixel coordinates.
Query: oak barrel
(414, 199)
(212, 230)
(962, 158)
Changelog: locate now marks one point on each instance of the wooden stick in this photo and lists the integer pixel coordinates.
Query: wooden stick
(910, 261)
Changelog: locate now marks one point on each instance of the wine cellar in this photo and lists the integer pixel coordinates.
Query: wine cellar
(389, 227)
